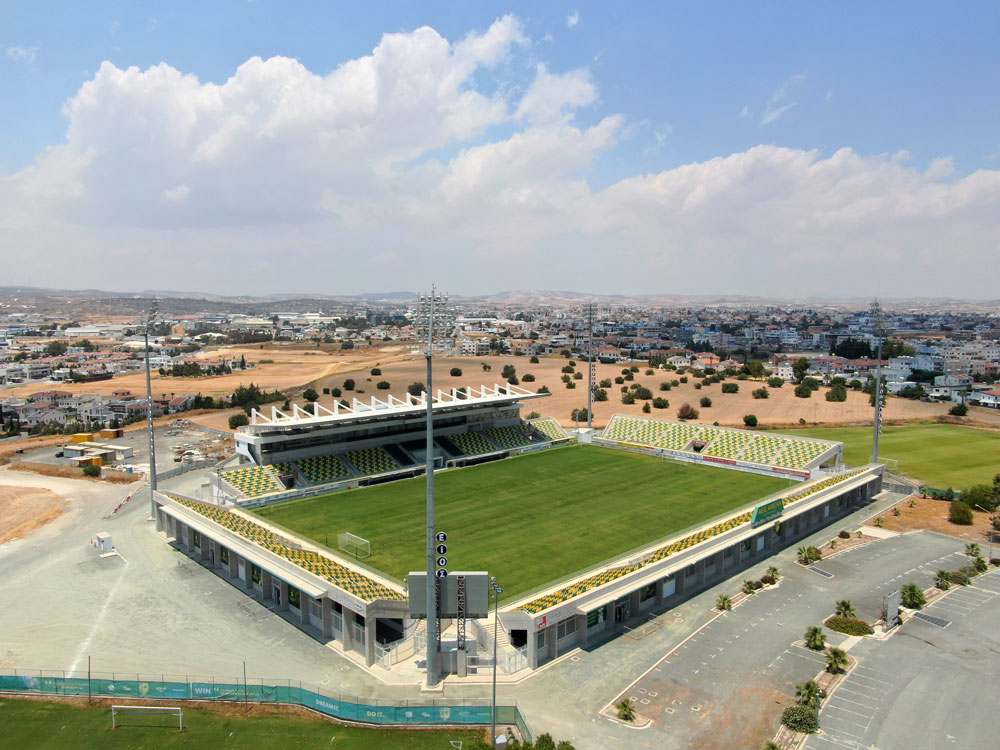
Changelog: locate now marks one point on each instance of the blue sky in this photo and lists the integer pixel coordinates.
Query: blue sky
(738, 110)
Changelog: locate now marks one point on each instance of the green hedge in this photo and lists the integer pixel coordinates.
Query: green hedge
(848, 625)
(800, 719)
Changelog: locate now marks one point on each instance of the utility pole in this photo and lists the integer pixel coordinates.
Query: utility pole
(150, 320)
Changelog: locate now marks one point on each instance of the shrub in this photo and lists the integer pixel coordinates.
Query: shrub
(326, 391)
(567, 369)
(533, 360)
(628, 398)
(705, 402)
(650, 372)
(619, 380)
(848, 625)
(265, 361)
(730, 388)
(455, 372)
(513, 380)
(723, 603)
(760, 393)
(642, 392)
(687, 412)
(844, 534)
(837, 393)
(960, 513)
(959, 410)
(664, 386)
(809, 555)
(336, 392)
(800, 719)
(533, 415)
(634, 368)
(913, 596)
(310, 395)
(95, 471)
(382, 385)
(775, 382)
(528, 377)
(577, 376)
(626, 709)
(661, 403)
(684, 379)
(815, 638)
(377, 371)
(645, 408)
(416, 388)
(508, 371)
(697, 386)
(238, 420)
(803, 391)
(349, 384)
(600, 395)
(571, 385)
(750, 587)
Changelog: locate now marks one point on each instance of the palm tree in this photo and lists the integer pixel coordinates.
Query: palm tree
(723, 603)
(803, 553)
(772, 745)
(913, 596)
(815, 638)
(972, 550)
(844, 608)
(808, 694)
(942, 581)
(836, 660)
(774, 572)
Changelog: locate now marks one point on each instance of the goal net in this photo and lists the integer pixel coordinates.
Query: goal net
(147, 716)
(354, 545)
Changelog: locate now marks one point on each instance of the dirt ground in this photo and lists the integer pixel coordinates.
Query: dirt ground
(933, 515)
(781, 409)
(293, 365)
(24, 509)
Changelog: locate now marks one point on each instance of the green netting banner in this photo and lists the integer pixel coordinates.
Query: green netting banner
(338, 708)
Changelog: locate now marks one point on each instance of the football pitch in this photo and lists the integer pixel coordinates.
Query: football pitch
(532, 519)
(940, 455)
(64, 725)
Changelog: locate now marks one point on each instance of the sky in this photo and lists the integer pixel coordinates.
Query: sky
(757, 148)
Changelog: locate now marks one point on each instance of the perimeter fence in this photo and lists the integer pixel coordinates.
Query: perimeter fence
(378, 711)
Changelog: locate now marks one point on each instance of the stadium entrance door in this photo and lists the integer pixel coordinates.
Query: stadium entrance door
(622, 611)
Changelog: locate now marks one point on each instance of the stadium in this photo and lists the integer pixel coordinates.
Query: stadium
(321, 516)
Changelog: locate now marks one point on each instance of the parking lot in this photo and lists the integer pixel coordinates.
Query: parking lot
(929, 686)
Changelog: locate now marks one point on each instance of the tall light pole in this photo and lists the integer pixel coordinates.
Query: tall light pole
(589, 310)
(150, 320)
(433, 309)
(880, 329)
(493, 706)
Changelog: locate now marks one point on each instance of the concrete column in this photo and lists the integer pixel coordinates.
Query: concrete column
(205, 552)
(304, 608)
(327, 617)
(283, 588)
(659, 590)
(347, 619)
(699, 573)
(370, 640)
(159, 519)
(582, 634)
(267, 583)
(532, 648)
(233, 569)
(248, 570)
(680, 577)
(633, 603)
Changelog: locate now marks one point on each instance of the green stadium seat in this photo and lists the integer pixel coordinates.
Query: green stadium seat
(371, 461)
(321, 469)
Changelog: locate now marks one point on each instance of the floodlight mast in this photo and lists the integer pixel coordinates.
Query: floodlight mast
(589, 310)
(880, 329)
(428, 310)
(150, 319)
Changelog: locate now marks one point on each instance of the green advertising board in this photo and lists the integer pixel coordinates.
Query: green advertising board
(767, 510)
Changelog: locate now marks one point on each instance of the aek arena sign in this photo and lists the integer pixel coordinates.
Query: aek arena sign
(767, 510)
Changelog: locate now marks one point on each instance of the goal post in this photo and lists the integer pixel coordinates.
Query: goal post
(156, 715)
(354, 545)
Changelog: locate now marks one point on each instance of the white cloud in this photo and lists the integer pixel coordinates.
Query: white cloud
(573, 19)
(27, 55)
(280, 179)
(745, 112)
(778, 104)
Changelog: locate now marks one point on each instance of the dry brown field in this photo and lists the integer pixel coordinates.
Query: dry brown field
(24, 509)
(782, 409)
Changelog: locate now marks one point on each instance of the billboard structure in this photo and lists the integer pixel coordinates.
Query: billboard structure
(474, 587)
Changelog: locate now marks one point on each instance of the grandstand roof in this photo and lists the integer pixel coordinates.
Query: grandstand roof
(390, 406)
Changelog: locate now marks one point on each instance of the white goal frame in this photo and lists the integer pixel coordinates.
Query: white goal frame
(354, 545)
(148, 709)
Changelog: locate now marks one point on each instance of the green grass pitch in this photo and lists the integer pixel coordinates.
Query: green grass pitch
(58, 725)
(532, 519)
(936, 454)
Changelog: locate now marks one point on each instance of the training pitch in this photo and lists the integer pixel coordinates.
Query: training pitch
(940, 455)
(68, 726)
(528, 520)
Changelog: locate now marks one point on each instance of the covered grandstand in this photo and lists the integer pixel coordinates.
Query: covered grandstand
(749, 450)
(379, 440)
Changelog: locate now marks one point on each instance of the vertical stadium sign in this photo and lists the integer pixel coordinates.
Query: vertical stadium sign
(767, 510)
